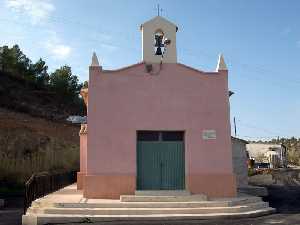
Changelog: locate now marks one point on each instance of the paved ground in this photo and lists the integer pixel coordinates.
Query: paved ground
(285, 199)
(12, 212)
(290, 219)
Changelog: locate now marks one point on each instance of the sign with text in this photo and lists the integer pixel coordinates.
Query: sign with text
(209, 134)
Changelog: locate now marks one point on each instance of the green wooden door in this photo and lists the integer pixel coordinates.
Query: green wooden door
(160, 165)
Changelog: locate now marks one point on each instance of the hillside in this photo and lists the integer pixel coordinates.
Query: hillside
(29, 144)
(34, 106)
(24, 96)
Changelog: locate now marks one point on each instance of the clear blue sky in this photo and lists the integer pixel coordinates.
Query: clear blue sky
(260, 40)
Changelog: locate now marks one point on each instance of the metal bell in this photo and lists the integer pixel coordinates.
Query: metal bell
(158, 51)
(158, 44)
(158, 40)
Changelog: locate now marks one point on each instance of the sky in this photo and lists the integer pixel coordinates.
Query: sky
(260, 41)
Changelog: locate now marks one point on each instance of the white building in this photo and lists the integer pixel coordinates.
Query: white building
(275, 154)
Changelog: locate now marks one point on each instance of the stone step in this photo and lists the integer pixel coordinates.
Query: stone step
(118, 204)
(142, 198)
(163, 193)
(39, 219)
(149, 211)
(243, 200)
(254, 190)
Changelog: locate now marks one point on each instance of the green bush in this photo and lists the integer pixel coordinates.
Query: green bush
(251, 172)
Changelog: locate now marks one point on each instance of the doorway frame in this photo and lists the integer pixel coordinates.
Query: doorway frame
(184, 155)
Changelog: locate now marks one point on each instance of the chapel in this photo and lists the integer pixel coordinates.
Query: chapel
(157, 124)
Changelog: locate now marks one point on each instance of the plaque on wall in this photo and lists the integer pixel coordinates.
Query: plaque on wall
(209, 134)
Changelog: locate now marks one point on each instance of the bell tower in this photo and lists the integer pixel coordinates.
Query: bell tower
(159, 41)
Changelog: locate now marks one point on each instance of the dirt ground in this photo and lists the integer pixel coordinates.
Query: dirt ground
(19, 121)
(30, 144)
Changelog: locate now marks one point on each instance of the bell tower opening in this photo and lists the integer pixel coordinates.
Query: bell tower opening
(159, 41)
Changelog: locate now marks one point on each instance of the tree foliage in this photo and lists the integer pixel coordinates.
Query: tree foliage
(61, 82)
(65, 84)
(15, 62)
(40, 72)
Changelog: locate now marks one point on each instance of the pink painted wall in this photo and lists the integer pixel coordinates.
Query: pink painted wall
(83, 152)
(178, 98)
(83, 161)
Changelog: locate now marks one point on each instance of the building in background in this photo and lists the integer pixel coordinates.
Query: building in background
(274, 154)
(239, 160)
(240, 168)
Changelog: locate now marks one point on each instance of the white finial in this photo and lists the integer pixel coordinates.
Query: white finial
(221, 63)
(95, 61)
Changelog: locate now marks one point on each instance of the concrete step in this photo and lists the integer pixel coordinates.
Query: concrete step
(149, 211)
(142, 198)
(163, 193)
(39, 219)
(118, 204)
(254, 190)
(244, 200)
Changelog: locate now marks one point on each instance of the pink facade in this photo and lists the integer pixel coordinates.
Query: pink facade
(177, 97)
(83, 152)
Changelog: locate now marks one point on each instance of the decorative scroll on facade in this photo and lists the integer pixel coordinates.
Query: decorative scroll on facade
(85, 94)
(83, 129)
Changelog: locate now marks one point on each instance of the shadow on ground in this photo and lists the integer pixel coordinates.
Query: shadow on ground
(286, 199)
(12, 212)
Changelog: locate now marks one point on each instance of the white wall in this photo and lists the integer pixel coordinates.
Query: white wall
(239, 160)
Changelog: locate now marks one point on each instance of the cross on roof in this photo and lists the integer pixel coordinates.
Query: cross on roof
(159, 10)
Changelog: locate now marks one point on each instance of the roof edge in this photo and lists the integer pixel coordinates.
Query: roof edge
(239, 139)
(123, 68)
(198, 70)
(159, 17)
